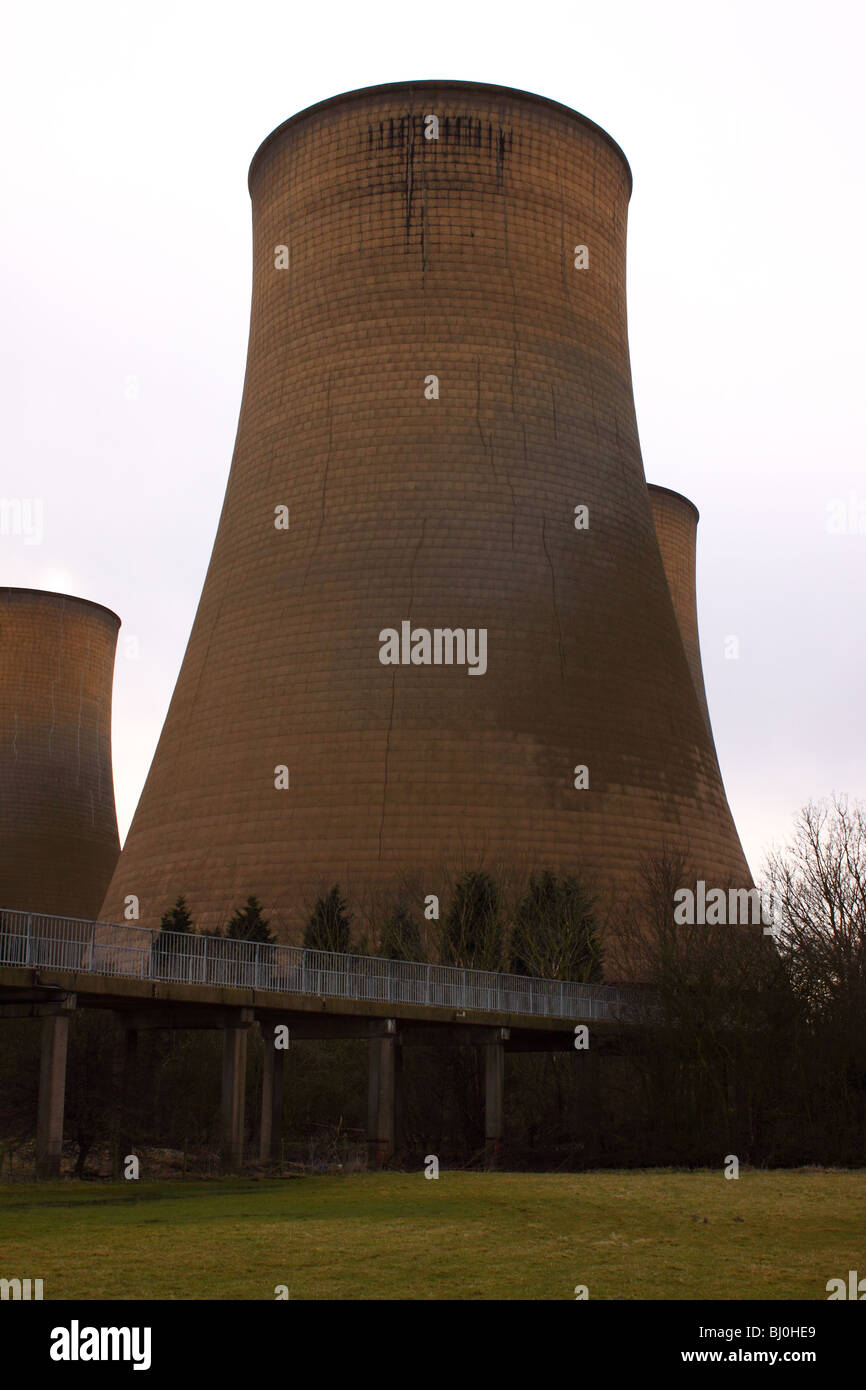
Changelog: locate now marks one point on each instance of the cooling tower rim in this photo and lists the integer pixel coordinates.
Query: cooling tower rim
(432, 84)
(671, 492)
(10, 590)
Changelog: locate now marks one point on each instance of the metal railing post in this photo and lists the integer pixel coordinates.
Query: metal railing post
(92, 939)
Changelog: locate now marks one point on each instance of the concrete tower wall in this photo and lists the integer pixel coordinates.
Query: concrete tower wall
(676, 522)
(58, 829)
(410, 258)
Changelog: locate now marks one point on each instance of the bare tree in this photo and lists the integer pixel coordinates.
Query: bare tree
(817, 886)
(713, 1000)
(818, 890)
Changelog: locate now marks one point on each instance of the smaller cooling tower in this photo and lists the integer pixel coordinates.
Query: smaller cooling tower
(58, 827)
(676, 522)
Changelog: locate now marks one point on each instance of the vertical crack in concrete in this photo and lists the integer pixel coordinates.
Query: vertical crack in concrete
(478, 401)
(410, 177)
(423, 240)
(500, 155)
(487, 444)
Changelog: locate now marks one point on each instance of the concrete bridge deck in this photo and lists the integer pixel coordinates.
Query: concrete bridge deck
(49, 966)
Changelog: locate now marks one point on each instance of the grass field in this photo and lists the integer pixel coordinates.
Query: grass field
(653, 1234)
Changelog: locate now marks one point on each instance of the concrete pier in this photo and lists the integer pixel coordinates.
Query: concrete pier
(234, 1090)
(52, 1090)
(382, 1112)
(494, 1102)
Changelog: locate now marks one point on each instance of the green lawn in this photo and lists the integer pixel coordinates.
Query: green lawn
(651, 1234)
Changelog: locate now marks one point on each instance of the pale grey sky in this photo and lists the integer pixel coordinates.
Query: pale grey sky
(127, 133)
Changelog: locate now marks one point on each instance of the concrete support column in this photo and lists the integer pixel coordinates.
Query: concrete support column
(381, 1124)
(52, 1091)
(494, 1098)
(234, 1090)
(271, 1131)
(399, 1099)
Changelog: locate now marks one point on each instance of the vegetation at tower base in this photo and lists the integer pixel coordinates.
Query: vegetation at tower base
(472, 935)
(330, 924)
(555, 932)
(751, 1045)
(401, 936)
(248, 924)
(165, 949)
(177, 918)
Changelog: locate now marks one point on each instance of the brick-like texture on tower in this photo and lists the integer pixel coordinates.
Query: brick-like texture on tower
(676, 522)
(437, 383)
(58, 829)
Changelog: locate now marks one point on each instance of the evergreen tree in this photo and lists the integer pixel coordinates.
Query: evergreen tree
(178, 918)
(471, 933)
(166, 952)
(249, 925)
(555, 933)
(329, 926)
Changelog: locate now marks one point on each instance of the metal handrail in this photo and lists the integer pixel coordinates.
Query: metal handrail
(135, 952)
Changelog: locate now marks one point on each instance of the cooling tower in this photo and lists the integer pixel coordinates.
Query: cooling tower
(58, 830)
(676, 522)
(436, 629)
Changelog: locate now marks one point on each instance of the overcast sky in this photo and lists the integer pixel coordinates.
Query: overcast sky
(126, 265)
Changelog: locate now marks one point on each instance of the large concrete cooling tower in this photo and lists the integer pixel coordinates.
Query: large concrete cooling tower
(58, 830)
(676, 522)
(437, 435)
